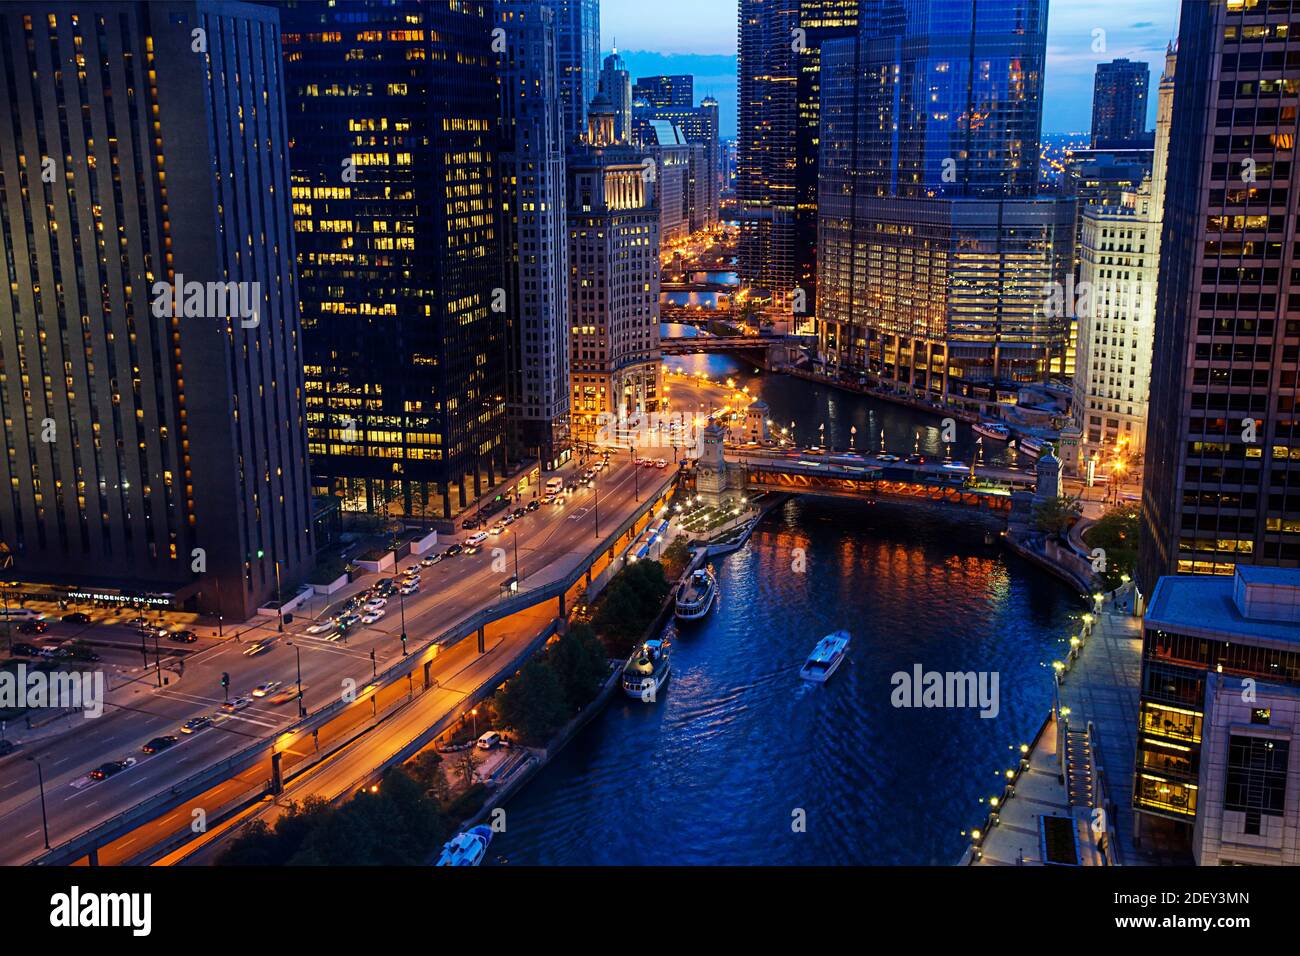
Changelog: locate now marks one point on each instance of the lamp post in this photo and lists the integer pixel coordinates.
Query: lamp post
(40, 780)
(297, 651)
(514, 537)
(279, 601)
(596, 490)
(401, 596)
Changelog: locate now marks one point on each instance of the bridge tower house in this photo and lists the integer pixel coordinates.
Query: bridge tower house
(711, 466)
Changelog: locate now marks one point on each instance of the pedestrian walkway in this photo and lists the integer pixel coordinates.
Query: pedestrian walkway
(1038, 792)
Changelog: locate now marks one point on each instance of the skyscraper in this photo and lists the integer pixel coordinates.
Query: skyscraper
(1222, 482)
(697, 125)
(1119, 103)
(616, 84)
(533, 225)
(392, 109)
(657, 91)
(577, 32)
(151, 382)
(614, 278)
(935, 256)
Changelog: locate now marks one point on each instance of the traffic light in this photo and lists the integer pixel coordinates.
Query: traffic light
(225, 685)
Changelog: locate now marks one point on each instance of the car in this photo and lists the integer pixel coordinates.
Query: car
(195, 724)
(23, 649)
(33, 627)
(431, 561)
(77, 652)
(348, 620)
(282, 696)
(884, 456)
(454, 550)
(661, 463)
(136, 621)
(498, 528)
(375, 604)
(957, 466)
(236, 703)
(548, 497)
(533, 505)
(259, 647)
(322, 627)
(6, 747)
(159, 743)
(267, 687)
(412, 588)
(508, 520)
(471, 549)
(76, 617)
(915, 459)
(371, 617)
(477, 538)
(182, 636)
(519, 512)
(145, 626)
(113, 767)
(50, 651)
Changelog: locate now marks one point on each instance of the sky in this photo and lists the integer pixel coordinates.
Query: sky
(699, 37)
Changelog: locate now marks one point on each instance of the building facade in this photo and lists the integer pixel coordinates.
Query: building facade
(577, 26)
(613, 223)
(665, 91)
(534, 236)
(1222, 482)
(396, 209)
(697, 125)
(150, 365)
(1218, 744)
(616, 84)
(1119, 103)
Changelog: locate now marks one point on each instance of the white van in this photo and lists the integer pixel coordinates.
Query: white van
(553, 485)
(488, 739)
(20, 614)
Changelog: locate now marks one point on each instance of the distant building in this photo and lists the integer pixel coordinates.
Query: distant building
(616, 84)
(665, 91)
(1119, 103)
(1218, 746)
(697, 125)
(534, 232)
(613, 223)
(577, 33)
(1222, 473)
(682, 173)
(153, 387)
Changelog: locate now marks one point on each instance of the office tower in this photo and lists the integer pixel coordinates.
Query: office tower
(152, 390)
(657, 91)
(1217, 718)
(1222, 485)
(614, 279)
(681, 181)
(616, 84)
(1120, 257)
(577, 35)
(697, 125)
(392, 110)
(935, 257)
(534, 236)
(1119, 103)
(767, 92)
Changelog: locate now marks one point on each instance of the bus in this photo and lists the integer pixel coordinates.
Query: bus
(553, 485)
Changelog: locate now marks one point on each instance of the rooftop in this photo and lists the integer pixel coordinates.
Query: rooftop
(1223, 606)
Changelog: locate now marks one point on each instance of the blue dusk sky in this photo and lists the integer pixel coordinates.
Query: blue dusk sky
(699, 37)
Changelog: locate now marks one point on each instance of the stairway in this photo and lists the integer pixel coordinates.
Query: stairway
(1078, 769)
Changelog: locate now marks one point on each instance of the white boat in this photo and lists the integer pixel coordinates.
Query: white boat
(826, 657)
(646, 671)
(466, 849)
(695, 597)
(1032, 446)
(995, 430)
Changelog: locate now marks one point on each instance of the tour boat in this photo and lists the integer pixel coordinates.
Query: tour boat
(1032, 446)
(647, 669)
(995, 430)
(826, 657)
(695, 597)
(466, 849)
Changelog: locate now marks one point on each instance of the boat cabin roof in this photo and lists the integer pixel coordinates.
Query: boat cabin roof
(827, 647)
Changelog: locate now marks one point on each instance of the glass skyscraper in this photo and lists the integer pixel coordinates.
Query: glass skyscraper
(577, 34)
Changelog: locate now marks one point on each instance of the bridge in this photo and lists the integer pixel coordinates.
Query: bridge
(690, 344)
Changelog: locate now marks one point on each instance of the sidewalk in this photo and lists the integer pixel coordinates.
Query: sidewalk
(1038, 792)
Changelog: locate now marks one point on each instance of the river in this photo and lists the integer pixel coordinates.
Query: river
(738, 751)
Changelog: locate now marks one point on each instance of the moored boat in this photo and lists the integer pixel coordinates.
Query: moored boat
(826, 657)
(466, 849)
(995, 430)
(695, 597)
(1032, 446)
(647, 669)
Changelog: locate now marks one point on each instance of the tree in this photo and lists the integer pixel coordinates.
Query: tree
(1117, 533)
(467, 765)
(581, 664)
(1055, 515)
(426, 770)
(532, 703)
(676, 556)
(630, 604)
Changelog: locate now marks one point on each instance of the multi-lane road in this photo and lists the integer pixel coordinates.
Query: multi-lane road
(551, 542)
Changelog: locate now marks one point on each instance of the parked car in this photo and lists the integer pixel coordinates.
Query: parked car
(488, 739)
(76, 617)
(182, 636)
(159, 743)
(195, 724)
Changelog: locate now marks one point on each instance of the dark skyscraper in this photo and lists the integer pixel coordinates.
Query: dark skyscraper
(616, 84)
(1222, 476)
(577, 33)
(535, 243)
(150, 374)
(392, 110)
(665, 90)
(1119, 104)
(935, 255)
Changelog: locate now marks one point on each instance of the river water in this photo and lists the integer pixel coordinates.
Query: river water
(738, 752)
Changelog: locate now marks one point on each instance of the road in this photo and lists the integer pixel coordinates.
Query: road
(551, 542)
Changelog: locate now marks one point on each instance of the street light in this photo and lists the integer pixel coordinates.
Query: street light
(302, 708)
(40, 779)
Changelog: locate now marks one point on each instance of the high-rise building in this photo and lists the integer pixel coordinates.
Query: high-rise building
(936, 257)
(697, 125)
(614, 279)
(392, 110)
(1119, 256)
(616, 84)
(152, 385)
(534, 235)
(678, 90)
(766, 179)
(1222, 482)
(577, 34)
(1119, 103)
(681, 181)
